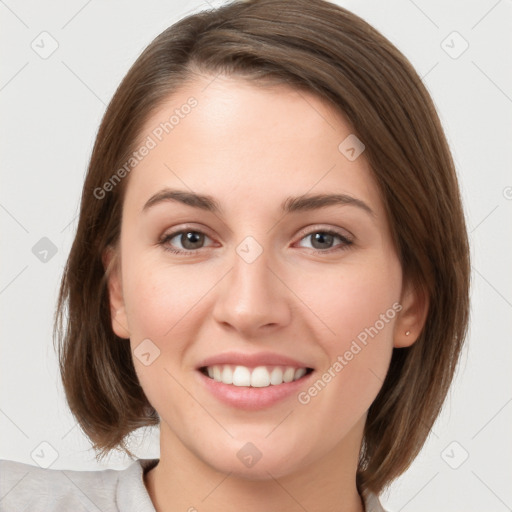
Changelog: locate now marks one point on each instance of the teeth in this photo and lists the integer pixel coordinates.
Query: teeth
(288, 374)
(241, 376)
(276, 377)
(259, 377)
(227, 375)
(217, 373)
(300, 372)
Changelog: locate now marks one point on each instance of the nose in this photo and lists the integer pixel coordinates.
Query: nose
(253, 298)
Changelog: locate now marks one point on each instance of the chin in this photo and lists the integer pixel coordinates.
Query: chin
(258, 460)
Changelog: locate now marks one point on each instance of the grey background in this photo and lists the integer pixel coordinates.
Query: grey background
(51, 109)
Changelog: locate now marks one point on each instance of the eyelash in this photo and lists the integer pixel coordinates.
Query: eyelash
(346, 242)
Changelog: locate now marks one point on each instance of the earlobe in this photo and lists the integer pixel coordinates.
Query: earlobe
(412, 317)
(112, 267)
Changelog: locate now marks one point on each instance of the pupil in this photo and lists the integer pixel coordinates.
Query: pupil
(191, 238)
(322, 238)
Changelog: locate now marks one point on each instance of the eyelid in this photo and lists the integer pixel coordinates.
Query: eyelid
(168, 235)
(185, 227)
(302, 233)
(324, 228)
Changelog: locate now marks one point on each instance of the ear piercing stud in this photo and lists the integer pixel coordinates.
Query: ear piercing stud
(407, 333)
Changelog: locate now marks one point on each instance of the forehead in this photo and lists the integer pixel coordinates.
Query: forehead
(228, 138)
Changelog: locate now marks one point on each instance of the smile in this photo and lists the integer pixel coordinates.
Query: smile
(258, 377)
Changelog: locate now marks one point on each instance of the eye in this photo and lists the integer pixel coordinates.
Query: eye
(322, 240)
(190, 240)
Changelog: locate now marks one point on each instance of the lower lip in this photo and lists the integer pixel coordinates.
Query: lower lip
(250, 398)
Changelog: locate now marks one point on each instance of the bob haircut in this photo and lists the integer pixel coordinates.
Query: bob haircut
(315, 46)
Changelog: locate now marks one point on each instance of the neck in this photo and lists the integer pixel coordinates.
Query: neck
(182, 481)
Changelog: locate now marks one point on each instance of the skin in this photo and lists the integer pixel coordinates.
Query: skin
(250, 147)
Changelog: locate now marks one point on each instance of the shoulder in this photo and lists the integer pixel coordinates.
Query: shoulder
(25, 487)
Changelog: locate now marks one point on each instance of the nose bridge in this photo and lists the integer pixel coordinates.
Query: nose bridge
(252, 297)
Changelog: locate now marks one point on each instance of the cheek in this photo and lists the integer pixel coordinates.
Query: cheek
(159, 299)
(353, 300)
(358, 308)
(160, 307)
(163, 305)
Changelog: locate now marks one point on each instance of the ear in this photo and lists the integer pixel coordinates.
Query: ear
(112, 266)
(412, 316)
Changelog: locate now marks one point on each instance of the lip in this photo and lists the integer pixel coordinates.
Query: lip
(252, 360)
(252, 399)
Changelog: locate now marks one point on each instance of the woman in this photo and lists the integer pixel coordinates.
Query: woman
(271, 263)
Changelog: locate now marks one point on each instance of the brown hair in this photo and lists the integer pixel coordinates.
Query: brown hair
(323, 48)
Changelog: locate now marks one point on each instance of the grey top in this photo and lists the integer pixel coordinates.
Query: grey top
(34, 489)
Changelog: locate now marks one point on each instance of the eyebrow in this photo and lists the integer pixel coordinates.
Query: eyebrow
(305, 202)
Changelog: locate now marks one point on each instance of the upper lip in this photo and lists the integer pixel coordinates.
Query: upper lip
(252, 360)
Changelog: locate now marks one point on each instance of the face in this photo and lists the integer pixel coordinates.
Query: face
(262, 319)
